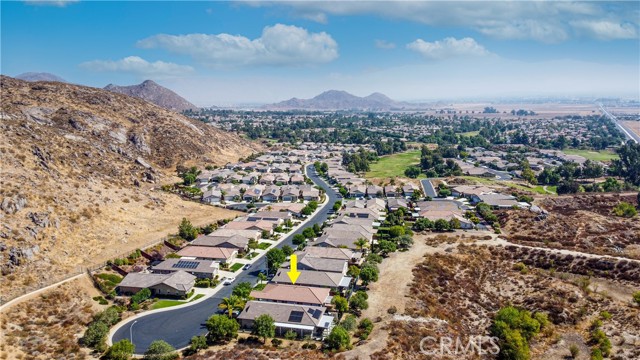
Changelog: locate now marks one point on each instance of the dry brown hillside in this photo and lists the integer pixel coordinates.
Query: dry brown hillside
(78, 170)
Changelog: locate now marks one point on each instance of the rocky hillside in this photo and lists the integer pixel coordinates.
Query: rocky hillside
(39, 76)
(154, 93)
(79, 171)
(342, 100)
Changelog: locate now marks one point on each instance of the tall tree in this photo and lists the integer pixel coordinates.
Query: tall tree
(264, 327)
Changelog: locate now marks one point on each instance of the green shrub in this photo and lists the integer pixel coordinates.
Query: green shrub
(574, 350)
(122, 350)
(290, 335)
(276, 342)
(141, 296)
(160, 350)
(338, 339)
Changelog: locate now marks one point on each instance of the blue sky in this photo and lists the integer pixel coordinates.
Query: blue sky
(220, 53)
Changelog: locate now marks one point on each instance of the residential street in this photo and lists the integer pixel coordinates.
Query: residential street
(178, 326)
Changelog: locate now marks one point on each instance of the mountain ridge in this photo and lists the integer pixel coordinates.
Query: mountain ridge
(154, 93)
(81, 175)
(40, 76)
(342, 100)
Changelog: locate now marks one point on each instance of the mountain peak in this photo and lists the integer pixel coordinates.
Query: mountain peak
(40, 76)
(340, 100)
(154, 93)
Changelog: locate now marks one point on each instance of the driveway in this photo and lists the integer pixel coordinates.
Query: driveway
(178, 326)
(428, 188)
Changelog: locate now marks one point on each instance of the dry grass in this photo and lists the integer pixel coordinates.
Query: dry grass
(49, 326)
(72, 152)
(584, 223)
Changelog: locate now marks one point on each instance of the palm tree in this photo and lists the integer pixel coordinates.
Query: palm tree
(361, 244)
(231, 303)
(262, 277)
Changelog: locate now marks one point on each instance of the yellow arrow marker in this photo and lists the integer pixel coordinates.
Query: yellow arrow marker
(294, 273)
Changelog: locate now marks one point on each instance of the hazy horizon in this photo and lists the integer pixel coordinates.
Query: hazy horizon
(225, 53)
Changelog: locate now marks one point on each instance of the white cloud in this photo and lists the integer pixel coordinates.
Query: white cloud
(383, 44)
(543, 31)
(448, 48)
(138, 66)
(544, 21)
(278, 45)
(58, 3)
(318, 17)
(606, 30)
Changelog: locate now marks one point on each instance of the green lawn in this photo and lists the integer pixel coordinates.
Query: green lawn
(470, 133)
(264, 245)
(168, 303)
(394, 165)
(237, 266)
(595, 155)
(260, 286)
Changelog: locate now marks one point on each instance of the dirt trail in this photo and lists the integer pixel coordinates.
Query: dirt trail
(396, 273)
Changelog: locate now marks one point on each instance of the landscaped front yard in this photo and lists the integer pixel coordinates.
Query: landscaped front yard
(235, 267)
(168, 303)
(264, 245)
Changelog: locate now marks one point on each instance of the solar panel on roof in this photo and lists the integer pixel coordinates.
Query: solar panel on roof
(184, 264)
(296, 316)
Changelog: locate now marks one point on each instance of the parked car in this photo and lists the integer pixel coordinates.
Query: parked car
(246, 267)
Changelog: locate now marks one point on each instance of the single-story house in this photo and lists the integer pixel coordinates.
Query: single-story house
(395, 204)
(178, 283)
(279, 216)
(271, 194)
(290, 193)
(198, 268)
(212, 196)
(498, 201)
(293, 294)
(349, 255)
(390, 191)
(320, 264)
(297, 179)
(220, 254)
(237, 242)
(303, 320)
(331, 280)
(374, 191)
(225, 232)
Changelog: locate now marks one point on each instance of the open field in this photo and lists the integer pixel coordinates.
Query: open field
(394, 165)
(595, 155)
(542, 110)
(470, 133)
(583, 223)
(633, 125)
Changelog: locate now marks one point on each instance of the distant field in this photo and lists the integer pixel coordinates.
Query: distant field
(595, 155)
(470, 133)
(633, 125)
(394, 165)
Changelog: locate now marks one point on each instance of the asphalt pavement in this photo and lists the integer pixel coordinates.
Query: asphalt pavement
(178, 326)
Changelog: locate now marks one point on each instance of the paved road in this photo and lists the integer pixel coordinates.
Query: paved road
(629, 134)
(178, 326)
